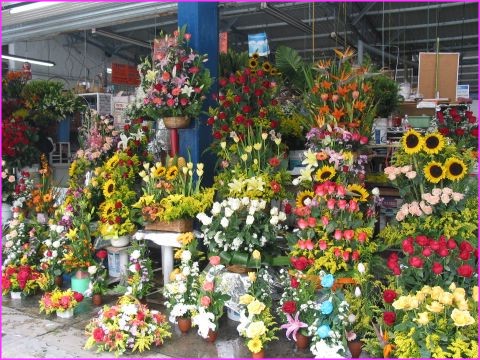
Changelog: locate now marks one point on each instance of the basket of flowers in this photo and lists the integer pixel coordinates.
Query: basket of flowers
(63, 302)
(107, 333)
(18, 279)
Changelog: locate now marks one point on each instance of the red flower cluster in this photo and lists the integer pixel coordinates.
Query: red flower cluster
(17, 142)
(460, 125)
(16, 278)
(289, 307)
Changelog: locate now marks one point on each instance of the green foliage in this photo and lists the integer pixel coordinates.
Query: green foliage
(296, 74)
(386, 97)
(232, 61)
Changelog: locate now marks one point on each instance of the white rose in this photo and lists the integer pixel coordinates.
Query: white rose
(216, 208)
(228, 212)
(224, 222)
(59, 229)
(48, 242)
(274, 220)
(274, 211)
(135, 254)
(245, 201)
(351, 318)
(282, 216)
(92, 269)
(250, 219)
(235, 204)
(139, 236)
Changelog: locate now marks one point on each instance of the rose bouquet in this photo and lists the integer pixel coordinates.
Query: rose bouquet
(170, 191)
(211, 300)
(182, 292)
(18, 142)
(60, 300)
(257, 324)
(129, 325)
(139, 273)
(175, 81)
(436, 323)
(237, 227)
(460, 125)
(22, 278)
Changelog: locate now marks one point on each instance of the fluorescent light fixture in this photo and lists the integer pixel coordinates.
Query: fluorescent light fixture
(32, 6)
(122, 38)
(30, 60)
(109, 70)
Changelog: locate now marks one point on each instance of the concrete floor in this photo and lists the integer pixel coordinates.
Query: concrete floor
(28, 334)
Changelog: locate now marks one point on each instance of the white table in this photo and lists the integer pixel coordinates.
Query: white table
(167, 241)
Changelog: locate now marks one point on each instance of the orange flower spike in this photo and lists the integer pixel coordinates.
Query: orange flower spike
(324, 110)
(338, 113)
(359, 105)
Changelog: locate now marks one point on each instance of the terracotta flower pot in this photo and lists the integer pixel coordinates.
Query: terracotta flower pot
(212, 336)
(184, 324)
(302, 341)
(259, 355)
(355, 348)
(58, 281)
(97, 299)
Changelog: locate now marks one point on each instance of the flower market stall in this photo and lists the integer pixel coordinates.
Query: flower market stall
(284, 256)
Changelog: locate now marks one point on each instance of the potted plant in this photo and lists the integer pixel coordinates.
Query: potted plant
(385, 95)
(98, 278)
(210, 302)
(175, 81)
(152, 327)
(61, 302)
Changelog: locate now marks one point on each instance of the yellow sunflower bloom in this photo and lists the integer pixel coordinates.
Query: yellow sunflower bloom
(434, 172)
(112, 162)
(255, 56)
(172, 173)
(267, 67)
(361, 194)
(455, 169)
(302, 196)
(253, 63)
(433, 143)
(109, 188)
(412, 142)
(108, 208)
(159, 171)
(325, 173)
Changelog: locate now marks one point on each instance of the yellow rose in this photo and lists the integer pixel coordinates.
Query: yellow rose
(436, 292)
(255, 307)
(462, 305)
(452, 287)
(246, 299)
(459, 295)
(461, 317)
(420, 296)
(255, 329)
(400, 303)
(422, 318)
(426, 290)
(446, 298)
(252, 276)
(435, 307)
(255, 345)
(256, 255)
(475, 293)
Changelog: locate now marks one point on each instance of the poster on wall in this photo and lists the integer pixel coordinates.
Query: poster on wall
(223, 42)
(258, 43)
(123, 74)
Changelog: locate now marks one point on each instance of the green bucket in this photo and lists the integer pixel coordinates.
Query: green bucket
(80, 285)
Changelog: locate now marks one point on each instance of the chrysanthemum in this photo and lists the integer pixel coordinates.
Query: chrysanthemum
(434, 172)
(302, 196)
(172, 173)
(412, 141)
(255, 345)
(325, 173)
(109, 188)
(360, 192)
(455, 169)
(433, 143)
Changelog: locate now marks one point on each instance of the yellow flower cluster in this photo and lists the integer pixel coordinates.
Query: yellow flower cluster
(185, 238)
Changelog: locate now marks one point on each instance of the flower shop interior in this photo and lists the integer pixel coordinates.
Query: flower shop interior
(240, 179)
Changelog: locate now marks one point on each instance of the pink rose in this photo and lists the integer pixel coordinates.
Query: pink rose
(348, 234)
(342, 204)
(338, 234)
(331, 204)
(214, 260)
(362, 236)
(205, 301)
(208, 286)
(322, 244)
(325, 220)
(302, 224)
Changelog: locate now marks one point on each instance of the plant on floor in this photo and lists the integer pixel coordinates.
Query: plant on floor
(98, 275)
(112, 329)
(59, 300)
(211, 299)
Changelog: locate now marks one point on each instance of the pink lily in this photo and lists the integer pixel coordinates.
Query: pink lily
(293, 326)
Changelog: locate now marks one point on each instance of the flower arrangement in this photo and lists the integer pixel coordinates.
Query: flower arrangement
(8, 183)
(98, 275)
(238, 227)
(341, 95)
(211, 299)
(183, 291)
(436, 323)
(60, 300)
(53, 250)
(139, 273)
(20, 278)
(112, 331)
(175, 81)
(17, 246)
(460, 125)
(43, 195)
(170, 192)
(18, 142)
(23, 191)
(257, 324)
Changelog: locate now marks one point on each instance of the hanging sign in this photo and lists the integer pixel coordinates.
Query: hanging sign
(123, 74)
(223, 42)
(258, 43)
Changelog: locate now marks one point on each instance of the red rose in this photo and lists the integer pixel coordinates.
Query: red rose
(389, 296)
(276, 187)
(217, 135)
(440, 117)
(422, 240)
(299, 263)
(435, 245)
(274, 162)
(437, 268)
(77, 296)
(288, 209)
(465, 271)
(273, 124)
(102, 254)
(389, 318)
(444, 131)
(466, 246)
(464, 255)
(222, 82)
(239, 119)
(237, 98)
(294, 282)
(246, 109)
(245, 89)
(211, 121)
(98, 334)
(248, 123)
(258, 92)
(355, 255)
(443, 252)
(416, 262)
(459, 131)
(451, 244)
(222, 115)
(289, 307)
(474, 132)
(225, 128)
(427, 252)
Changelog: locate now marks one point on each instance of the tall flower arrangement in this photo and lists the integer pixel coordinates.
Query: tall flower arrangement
(139, 273)
(175, 80)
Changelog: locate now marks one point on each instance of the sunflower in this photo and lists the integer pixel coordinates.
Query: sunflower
(455, 169)
(159, 171)
(412, 141)
(253, 63)
(172, 173)
(108, 209)
(255, 56)
(359, 191)
(109, 188)
(325, 173)
(433, 143)
(274, 71)
(267, 67)
(302, 196)
(434, 172)
(112, 162)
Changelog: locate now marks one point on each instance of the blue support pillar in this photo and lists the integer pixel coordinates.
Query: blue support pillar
(201, 19)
